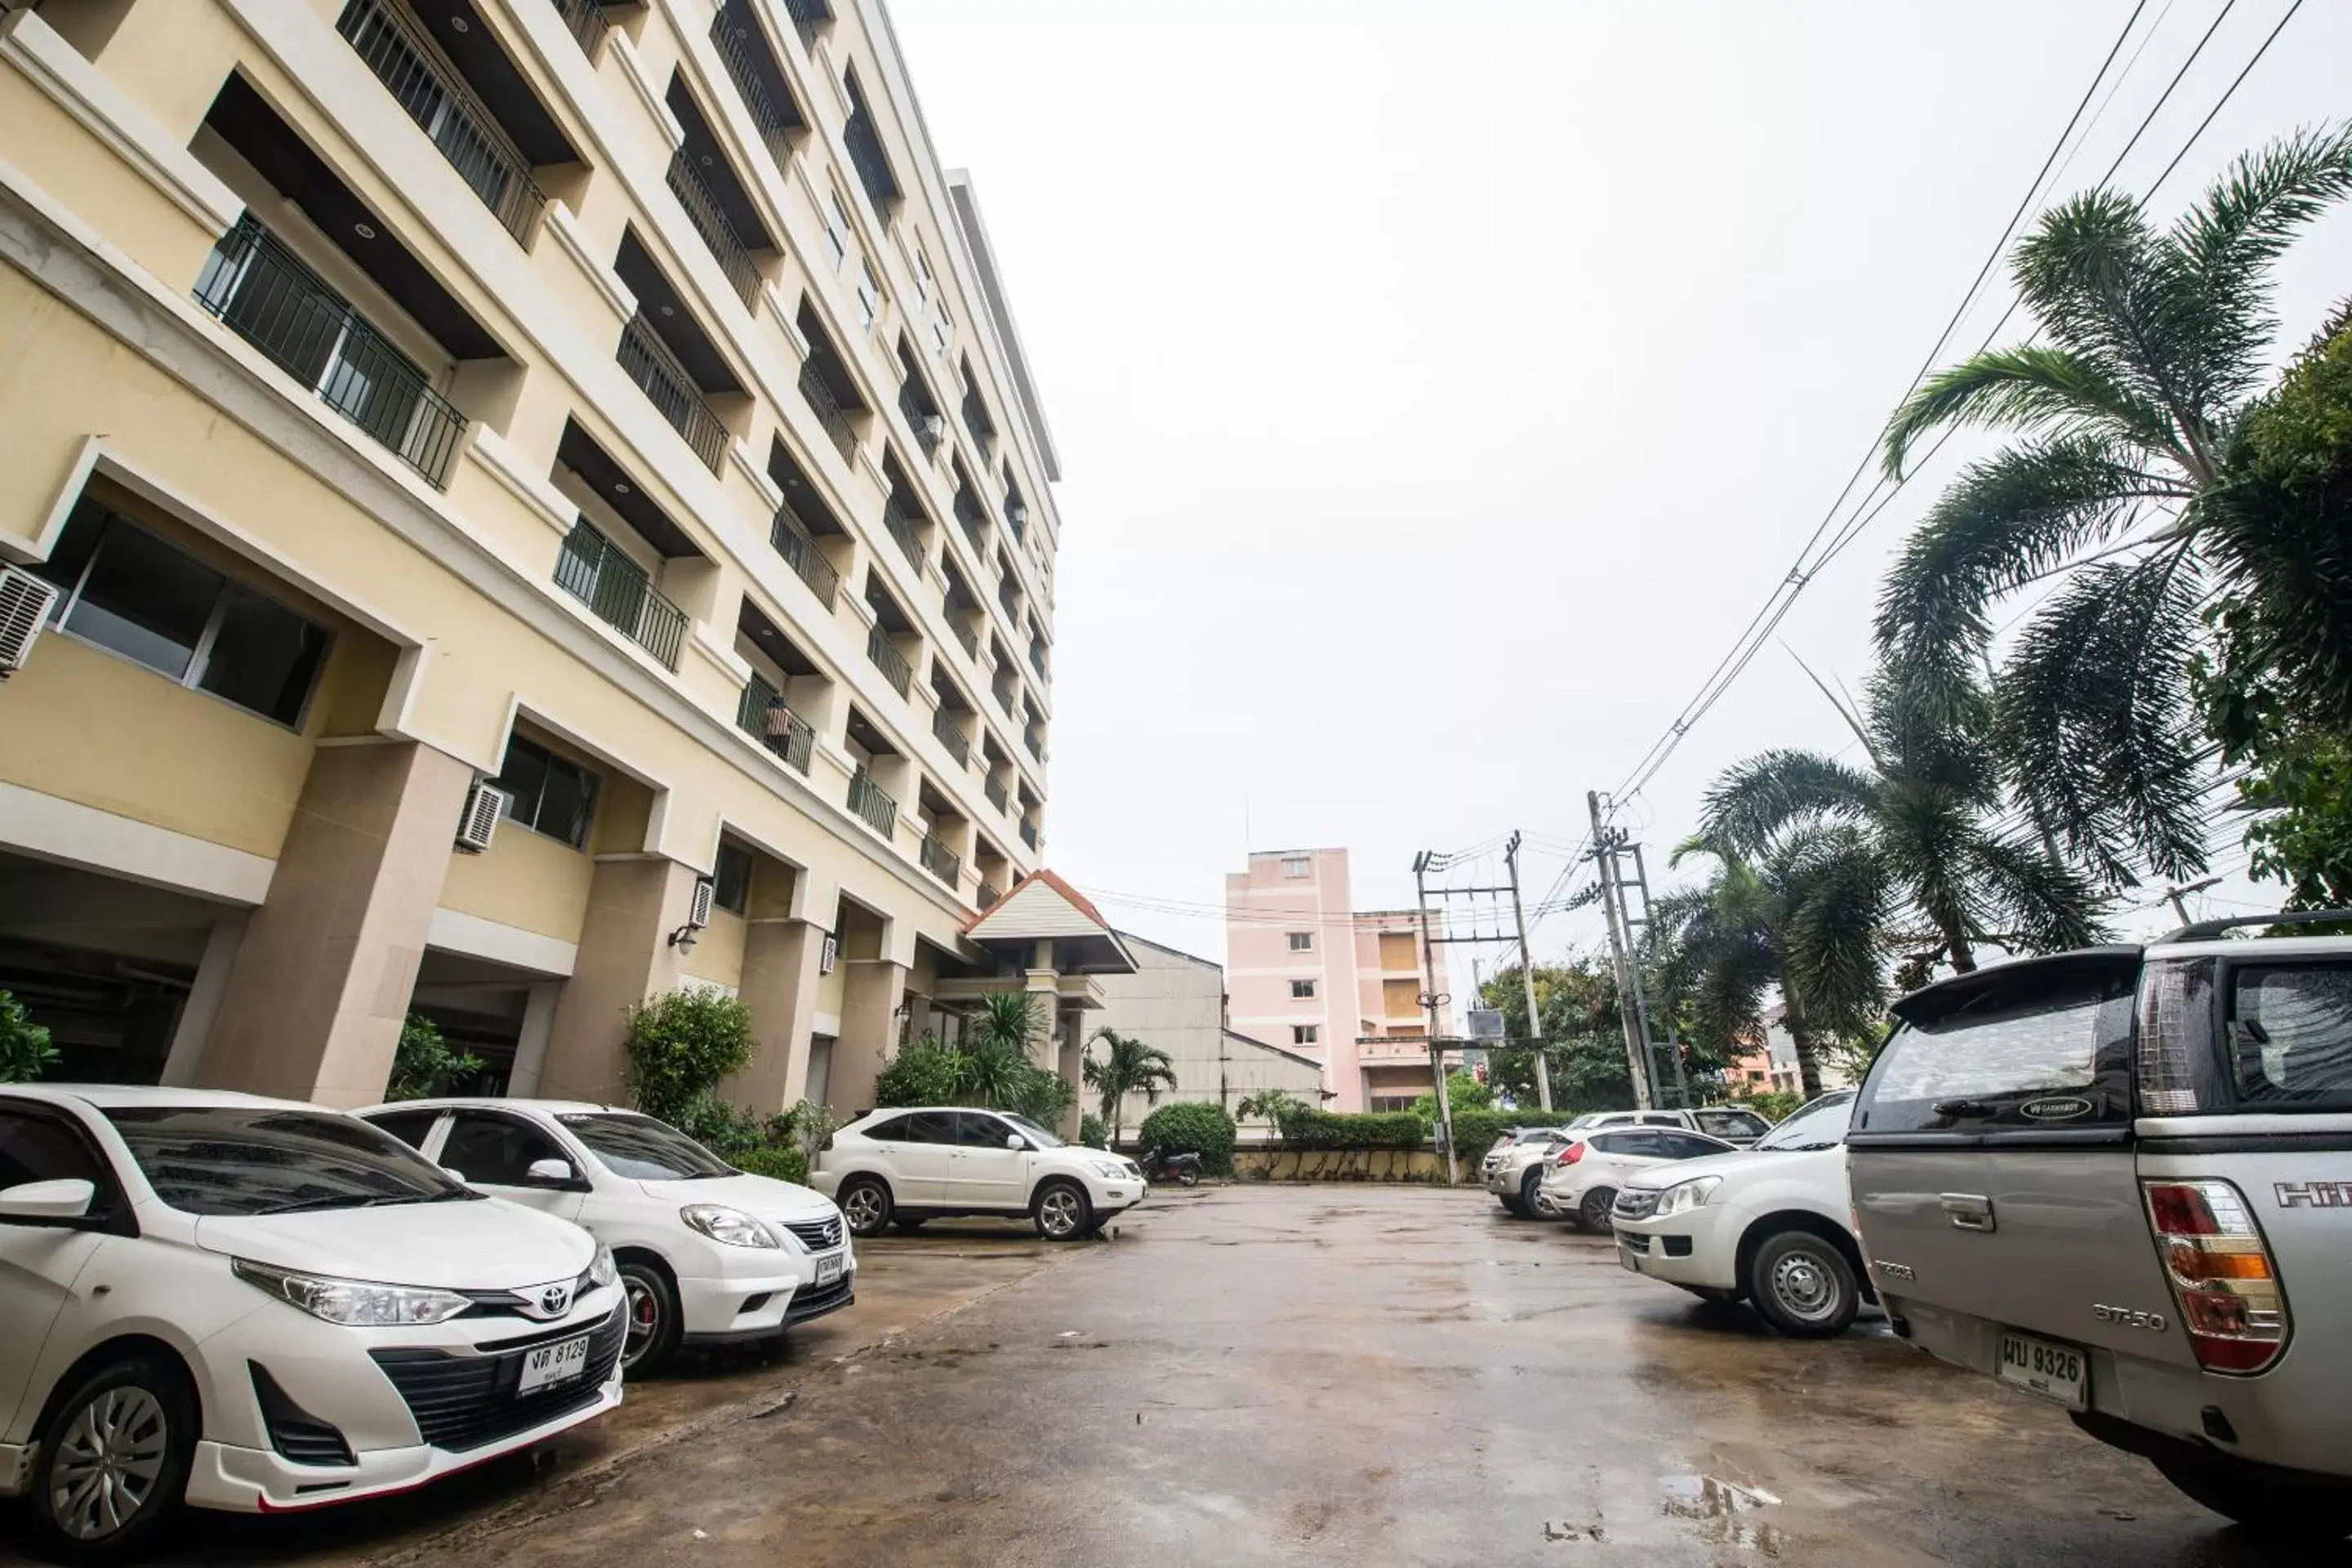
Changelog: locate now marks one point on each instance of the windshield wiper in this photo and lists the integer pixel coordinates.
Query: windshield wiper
(366, 1201)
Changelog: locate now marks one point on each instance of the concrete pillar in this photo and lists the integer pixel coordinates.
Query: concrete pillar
(1069, 1061)
(779, 984)
(634, 902)
(321, 979)
(530, 1045)
(203, 1005)
(872, 991)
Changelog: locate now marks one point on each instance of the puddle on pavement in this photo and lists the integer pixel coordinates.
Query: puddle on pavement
(1721, 1509)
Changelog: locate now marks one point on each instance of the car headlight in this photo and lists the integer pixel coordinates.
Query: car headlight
(1687, 1194)
(354, 1303)
(728, 1227)
(1109, 1170)
(601, 1269)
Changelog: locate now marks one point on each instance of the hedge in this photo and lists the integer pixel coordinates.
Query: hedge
(1354, 1130)
(1192, 1127)
(784, 1164)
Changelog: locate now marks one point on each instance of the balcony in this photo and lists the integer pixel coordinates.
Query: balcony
(878, 810)
(801, 553)
(586, 22)
(742, 49)
(1029, 834)
(810, 17)
(1034, 739)
(592, 570)
(865, 153)
(988, 896)
(269, 298)
(929, 426)
(998, 795)
(889, 659)
(940, 861)
(829, 412)
(962, 629)
(710, 221)
(1037, 659)
(902, 528)
(958, 744)
(667, 385)
(410, 66)
(976, 420)
(1002, 688)
(1008, 593)
(762, 715)
(972, 518)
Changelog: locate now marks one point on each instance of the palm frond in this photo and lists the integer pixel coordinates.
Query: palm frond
(2043, 904)
(1754, 800)
(1835, 894)
(2054, 391)
(2086, 268)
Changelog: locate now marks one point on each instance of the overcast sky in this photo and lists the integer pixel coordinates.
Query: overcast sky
(1439, 389)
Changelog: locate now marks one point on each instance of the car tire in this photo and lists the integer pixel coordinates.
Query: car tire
(1062, 1211)
(1593, 1213)
(654, 1323)
(865, 1204)
(908, 1224)
(1802, 1285)
(1533, 1204)
(126, 1432)
(2262, 1508)
(1515, 1208)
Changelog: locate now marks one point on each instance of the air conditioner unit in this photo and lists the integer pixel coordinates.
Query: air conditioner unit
(485, 803)
(698, 909)
(25, 603)
(828, 953)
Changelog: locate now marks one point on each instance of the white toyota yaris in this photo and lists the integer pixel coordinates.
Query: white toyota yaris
(708, 1254)
(261, 1305)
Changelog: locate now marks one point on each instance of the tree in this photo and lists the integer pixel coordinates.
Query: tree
(2137, 406)
(1584, 1042)
(1924, 808)
(1127, 1066)
(1277, 1108)
(423, 1064)
(1463, 1092)
(25, 1052)
(680, 1045)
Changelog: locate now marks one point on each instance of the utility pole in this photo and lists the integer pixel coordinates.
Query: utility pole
(1627, 1014)
(1431, 1000)
(1640, 992)
(1528, 976)
(2177, 894)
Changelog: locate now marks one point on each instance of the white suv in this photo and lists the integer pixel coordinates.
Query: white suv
(709, 1255)
(911, 1163)
(259, 1305)
(1580, 1181)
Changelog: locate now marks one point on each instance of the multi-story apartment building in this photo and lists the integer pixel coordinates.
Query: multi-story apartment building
(1309, 970)
(615, 407)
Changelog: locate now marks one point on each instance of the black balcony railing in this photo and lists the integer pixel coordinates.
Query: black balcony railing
(974, 521)
(1029, 834)
(733, 35)
(409, 65)
(957, 624)
(902, 528)
(671, 390)
(592, 570)
(829, 412)
(587, 22)
(270, 299)
(930, 428)
(1034, 740)
(958, 744)
(762, 715)
(710, 221)
(987, 897)
(998, 795)
(940, 861)
(1002, 688)
(800, 552)
(976, 420)
(1008, 593)
(1016, 516)
(809, 18)
(866, 155)
(889, 659)
(867, 798)
(1037, 659)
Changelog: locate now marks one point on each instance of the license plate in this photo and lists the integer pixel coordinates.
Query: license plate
(828, 1270)
(549, 1365)
(2054, 1372)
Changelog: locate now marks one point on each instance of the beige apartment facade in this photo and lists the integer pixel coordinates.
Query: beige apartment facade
(615, 407)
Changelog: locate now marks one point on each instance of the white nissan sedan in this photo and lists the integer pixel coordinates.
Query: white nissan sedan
(708, 1255)
(258, 1305)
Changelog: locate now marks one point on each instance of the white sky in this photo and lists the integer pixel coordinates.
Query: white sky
(1440, 388)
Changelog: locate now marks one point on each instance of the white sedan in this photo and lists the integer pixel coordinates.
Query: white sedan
(258, 1305)
(1582, 1181)
(905, 1165)
(708, 1255)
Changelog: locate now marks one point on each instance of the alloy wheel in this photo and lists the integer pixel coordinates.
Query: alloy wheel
(644, 1321)
(107, 1463)
(862, 1207)
(1061, 1212)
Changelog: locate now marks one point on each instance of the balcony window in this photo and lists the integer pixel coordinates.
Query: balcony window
(869, 296)
(129, 593)
(942, 332)
(595, 571)
(269, 298)
(547, 793)
(730, 879)
(411, 67)
(838, 230)
(763, 715)
(873, 806)
(671, 390)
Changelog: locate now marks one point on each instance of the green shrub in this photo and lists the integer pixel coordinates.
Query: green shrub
(1192, 1127)
(925, 1072)
(1354, 1130)
(1475, 1132)
(1092, 1133)
(989, 1073)
(25, 1052)
(422, 1063)
(784, 1164)
(1772, 1104)
(679, 1046)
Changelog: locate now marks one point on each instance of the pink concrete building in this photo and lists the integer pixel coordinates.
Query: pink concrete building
(1307, 971)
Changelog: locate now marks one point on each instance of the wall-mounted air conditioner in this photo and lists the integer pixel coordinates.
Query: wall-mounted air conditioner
(698, 908)
(485, 803)
(828, 953)
(25, 603)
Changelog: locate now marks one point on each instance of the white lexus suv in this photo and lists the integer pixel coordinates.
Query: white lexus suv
(258, 1305)
(907, 1164)
(708, 1255)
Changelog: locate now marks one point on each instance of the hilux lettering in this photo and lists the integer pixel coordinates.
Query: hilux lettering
(2315, 1194)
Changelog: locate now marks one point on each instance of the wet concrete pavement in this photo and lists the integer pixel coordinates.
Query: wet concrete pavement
(1296, 1375)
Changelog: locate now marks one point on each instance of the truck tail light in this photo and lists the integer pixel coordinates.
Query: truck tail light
(2231, 1305)
(1572, 1153)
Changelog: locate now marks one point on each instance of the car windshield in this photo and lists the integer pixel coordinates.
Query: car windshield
(1031, 1131)
(234, 1159)
(1821, 1125)
(639, 1149)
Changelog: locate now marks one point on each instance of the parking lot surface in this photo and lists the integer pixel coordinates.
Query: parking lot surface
(1293, 1374)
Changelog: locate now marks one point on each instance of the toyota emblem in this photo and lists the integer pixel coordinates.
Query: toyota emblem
(554, 1298)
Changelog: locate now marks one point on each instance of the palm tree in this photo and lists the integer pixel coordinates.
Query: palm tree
(2135, 405)
(993, 1066)
(1925, 809)
(1009, 1020)
(1127, 1067)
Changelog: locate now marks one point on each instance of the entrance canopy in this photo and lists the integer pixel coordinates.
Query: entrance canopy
(1044, 908)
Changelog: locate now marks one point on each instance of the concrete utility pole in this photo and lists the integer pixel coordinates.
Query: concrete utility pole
(1528, 976)
(1627, 1014)
(2177, 894)
(1431, 1000)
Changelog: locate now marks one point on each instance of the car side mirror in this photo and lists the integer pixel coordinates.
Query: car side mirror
(1015, 1140)
(549, 1174)
(47, 1203)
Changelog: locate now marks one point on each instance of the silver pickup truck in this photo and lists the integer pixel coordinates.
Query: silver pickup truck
(2121, 1180)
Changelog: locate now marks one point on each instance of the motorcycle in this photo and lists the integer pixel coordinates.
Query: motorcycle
(1184, 1170)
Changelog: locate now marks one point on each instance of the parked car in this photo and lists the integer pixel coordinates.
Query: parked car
(1513, 1169)
(905, 1165)
(1735, 1124)
(708, 1255)
(1769, 1226)
(257, 1305)
(2121, 1180)
(1582, 1181)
